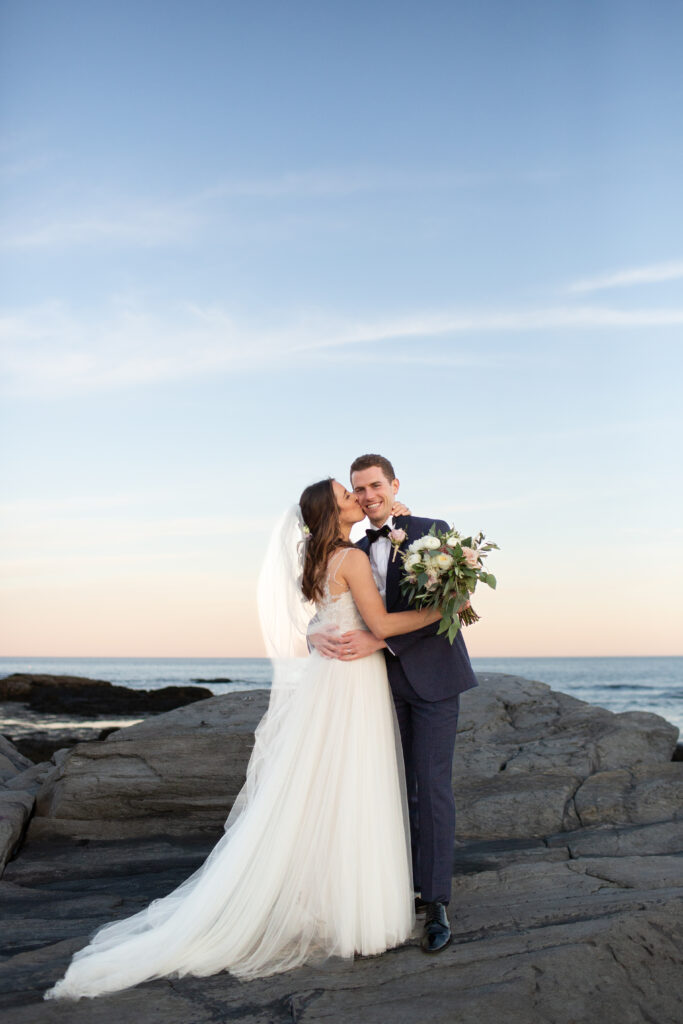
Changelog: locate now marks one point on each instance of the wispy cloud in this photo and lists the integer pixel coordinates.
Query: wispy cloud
(116, 220)
(422, 359)
(93, 218)
(652, 274)
(433, 325)
(49, 349)
(143, 225)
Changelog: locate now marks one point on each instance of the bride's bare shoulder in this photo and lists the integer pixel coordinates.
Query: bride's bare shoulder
(355, 559)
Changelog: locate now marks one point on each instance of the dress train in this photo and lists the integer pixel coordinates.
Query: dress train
(315, 860)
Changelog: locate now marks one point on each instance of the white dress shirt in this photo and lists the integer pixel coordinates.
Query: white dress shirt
(379, 560)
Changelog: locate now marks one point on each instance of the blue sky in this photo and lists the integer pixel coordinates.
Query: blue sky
(242, 243)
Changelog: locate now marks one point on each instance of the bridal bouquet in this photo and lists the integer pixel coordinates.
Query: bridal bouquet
(442, 568)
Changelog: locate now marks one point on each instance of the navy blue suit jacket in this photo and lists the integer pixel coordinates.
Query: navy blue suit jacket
(434, 668)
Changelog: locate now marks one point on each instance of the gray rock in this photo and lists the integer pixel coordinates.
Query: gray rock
(643, 794)
(11, 761)
(78, 695)
(176, 772)
(620, 840)
(19, 781)
(523, 752)
(33, 778)
(665, 837)
(577, 941)
(493, 854)
(38, 735)
(532, 803)
(567, 892)
(642, 873)
(15, 808)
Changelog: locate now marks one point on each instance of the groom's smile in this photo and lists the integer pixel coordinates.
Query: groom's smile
(375, 493)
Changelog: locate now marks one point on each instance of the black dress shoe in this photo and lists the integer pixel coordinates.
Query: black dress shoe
(420, 905)
(437, 931)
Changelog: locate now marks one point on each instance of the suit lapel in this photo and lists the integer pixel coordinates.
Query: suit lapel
(395, 566)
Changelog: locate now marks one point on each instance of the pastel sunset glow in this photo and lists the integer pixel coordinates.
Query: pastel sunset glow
(241, 244)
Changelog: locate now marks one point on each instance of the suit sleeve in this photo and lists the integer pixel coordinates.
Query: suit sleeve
(400, 644)
(404, 641)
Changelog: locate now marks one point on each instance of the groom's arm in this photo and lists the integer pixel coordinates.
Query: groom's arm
(401, 643)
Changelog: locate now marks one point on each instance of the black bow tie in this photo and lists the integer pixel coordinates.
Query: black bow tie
(372, 535)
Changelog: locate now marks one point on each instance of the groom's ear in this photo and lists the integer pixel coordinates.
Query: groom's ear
(395, 484)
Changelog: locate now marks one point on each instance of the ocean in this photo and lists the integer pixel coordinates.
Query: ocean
(618, 684)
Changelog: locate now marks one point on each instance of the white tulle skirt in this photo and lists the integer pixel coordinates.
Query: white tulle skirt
(315, 860)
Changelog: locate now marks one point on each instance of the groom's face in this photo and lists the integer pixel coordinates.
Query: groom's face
(375, 493)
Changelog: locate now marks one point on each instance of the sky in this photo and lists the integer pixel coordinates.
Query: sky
(242, 243)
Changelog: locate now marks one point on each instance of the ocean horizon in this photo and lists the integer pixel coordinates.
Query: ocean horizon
(619, 684)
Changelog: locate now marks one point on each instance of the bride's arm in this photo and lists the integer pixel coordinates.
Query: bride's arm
(356, 571)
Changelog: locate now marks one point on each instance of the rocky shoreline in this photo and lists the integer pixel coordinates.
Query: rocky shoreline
(41, 713)
(567, 887)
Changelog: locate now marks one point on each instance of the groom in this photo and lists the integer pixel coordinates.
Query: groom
(427, 676)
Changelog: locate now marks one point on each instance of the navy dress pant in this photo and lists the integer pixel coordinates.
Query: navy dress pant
(428, 737)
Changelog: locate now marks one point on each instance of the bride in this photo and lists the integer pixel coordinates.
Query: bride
(315, 859)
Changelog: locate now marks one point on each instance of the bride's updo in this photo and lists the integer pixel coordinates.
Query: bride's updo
(321, 515)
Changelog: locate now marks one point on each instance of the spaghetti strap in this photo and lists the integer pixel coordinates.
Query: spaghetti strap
(333, 567)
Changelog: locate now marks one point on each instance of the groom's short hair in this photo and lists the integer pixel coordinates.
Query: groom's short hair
(367, 461)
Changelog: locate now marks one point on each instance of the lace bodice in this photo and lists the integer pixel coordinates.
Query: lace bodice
(338, 609)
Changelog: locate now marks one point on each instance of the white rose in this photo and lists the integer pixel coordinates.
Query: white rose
(452, 541)
(431, 542)
(471, 557)
(411, 560)
(443, 560)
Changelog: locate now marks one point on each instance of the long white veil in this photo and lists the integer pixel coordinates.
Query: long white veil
(165, 936)
(283, 610)
(285, 615)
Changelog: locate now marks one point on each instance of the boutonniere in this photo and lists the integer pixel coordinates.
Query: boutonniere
(396, 538)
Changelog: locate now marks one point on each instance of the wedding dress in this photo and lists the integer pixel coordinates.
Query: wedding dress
(315, 859)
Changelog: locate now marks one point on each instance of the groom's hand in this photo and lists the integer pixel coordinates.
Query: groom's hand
(326, 641)
(358, 643)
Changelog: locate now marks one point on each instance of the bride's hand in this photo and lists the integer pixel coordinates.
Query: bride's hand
(399, 509)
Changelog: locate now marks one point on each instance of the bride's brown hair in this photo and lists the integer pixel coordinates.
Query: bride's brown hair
(321, 515)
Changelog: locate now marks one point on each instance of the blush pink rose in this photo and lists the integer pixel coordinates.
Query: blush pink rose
(471, 557)
(398, 536)
(432, 579)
